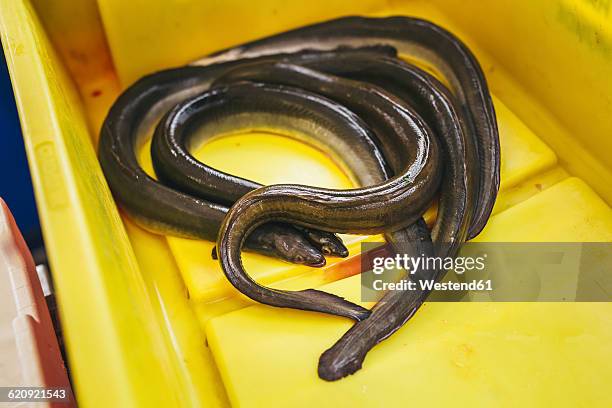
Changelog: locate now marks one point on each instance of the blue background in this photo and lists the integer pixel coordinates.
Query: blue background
(15, 182)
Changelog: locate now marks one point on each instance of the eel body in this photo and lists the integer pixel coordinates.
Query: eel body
(400, 200)
(338, 86)
(458, 192)
(164, 209)
(417, 39)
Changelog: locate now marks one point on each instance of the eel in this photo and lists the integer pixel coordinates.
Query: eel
(163, 209)
(455, 210)
(418, 39)
(446, 54)
(248, 107)
(458, 193)
(394, 204)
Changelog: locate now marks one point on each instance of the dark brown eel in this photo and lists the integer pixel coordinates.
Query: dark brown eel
(399, 194)
(467, 195)
(246, 107)
(417, 38)
(342, 359)
(164, 209)
(434, 102)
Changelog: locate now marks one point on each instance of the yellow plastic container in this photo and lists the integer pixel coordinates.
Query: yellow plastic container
(150, 320)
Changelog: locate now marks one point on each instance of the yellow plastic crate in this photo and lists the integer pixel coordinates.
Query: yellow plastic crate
(150, 321)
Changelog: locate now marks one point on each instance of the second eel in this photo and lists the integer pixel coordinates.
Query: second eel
(450, 230)
(405, 197)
